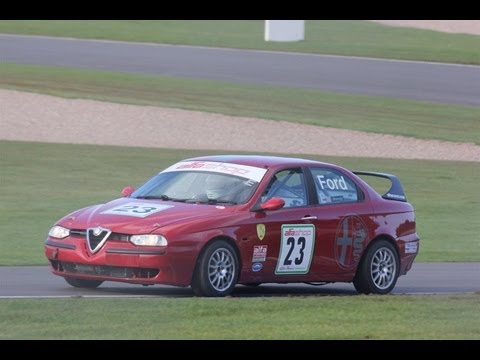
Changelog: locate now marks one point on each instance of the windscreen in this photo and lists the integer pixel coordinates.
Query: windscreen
(203, 182)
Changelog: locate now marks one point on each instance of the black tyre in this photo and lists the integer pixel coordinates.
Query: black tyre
(378, 269)
(83, 283)
(217, 270)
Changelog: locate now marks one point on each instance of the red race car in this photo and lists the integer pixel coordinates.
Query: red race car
(217, 221)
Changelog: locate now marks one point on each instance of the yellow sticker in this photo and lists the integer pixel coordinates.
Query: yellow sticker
(261, 231)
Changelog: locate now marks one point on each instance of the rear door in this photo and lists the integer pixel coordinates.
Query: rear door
(342, 222)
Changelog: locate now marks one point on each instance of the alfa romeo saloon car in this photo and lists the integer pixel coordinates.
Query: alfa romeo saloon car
(217, 221)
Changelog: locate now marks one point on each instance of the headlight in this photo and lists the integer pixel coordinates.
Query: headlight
(149, 240)
(59, 232)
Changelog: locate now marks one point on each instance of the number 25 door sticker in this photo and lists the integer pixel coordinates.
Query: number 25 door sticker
(136, 209)
(296, 249)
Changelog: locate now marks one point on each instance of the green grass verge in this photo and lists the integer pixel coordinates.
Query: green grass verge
(324, 317)
(365, 113)
(344, 37)
(43, 182)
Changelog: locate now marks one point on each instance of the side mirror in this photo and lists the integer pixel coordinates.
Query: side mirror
(273, 204)
(127, 191)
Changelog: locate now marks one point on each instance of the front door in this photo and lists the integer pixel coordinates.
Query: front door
(288, 234)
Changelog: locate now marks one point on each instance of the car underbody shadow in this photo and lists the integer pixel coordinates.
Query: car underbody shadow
(110, 289)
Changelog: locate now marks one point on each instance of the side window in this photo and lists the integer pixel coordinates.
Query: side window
(290, 186)
(334, 187)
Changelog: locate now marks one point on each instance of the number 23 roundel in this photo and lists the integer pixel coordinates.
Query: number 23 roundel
(296, 249)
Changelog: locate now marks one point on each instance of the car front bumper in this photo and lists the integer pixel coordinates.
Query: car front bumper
(116, 261)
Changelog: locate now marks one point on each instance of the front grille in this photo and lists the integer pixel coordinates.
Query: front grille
(105, 270)
(113, 236)
(118, 237)
(78, 233)
(96, 237)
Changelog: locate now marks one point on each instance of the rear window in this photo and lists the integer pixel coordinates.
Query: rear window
(334, 187)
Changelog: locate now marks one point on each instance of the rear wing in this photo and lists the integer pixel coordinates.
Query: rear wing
(396, 190)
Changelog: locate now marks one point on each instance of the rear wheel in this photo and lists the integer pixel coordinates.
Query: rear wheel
(83, 283)
(378, 270)
(216, 272)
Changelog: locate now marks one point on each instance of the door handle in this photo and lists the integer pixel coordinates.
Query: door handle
(308, 217)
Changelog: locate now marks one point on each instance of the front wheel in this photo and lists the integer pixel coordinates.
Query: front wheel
(217, 270)
(83, 283)
(378, 270)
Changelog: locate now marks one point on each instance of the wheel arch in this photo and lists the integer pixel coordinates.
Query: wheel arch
(377, 238)
(363, 280)
(226, 238)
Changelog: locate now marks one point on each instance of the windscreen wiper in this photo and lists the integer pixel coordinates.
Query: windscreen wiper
(211, 202)
(160, 197)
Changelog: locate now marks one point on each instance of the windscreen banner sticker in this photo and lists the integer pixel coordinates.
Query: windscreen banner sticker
(247, 172)
(296, 249)
(136, 209)
(411, 247)
(259, 253)
(350, 241)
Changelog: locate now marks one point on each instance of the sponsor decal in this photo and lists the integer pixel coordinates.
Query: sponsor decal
(259, 253)
(324, 199)
(296, 249)
(261, 231)
(336, 183)
(411, 247)
(248, 172)
(136, 209)
(257, 267)
(350, 241)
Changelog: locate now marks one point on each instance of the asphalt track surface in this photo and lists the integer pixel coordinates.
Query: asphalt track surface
(443, 83)
(423, 278)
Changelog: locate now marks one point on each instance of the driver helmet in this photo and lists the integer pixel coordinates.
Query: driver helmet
(217, 186)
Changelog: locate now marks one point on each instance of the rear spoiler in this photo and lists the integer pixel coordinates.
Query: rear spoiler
(396, 190)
